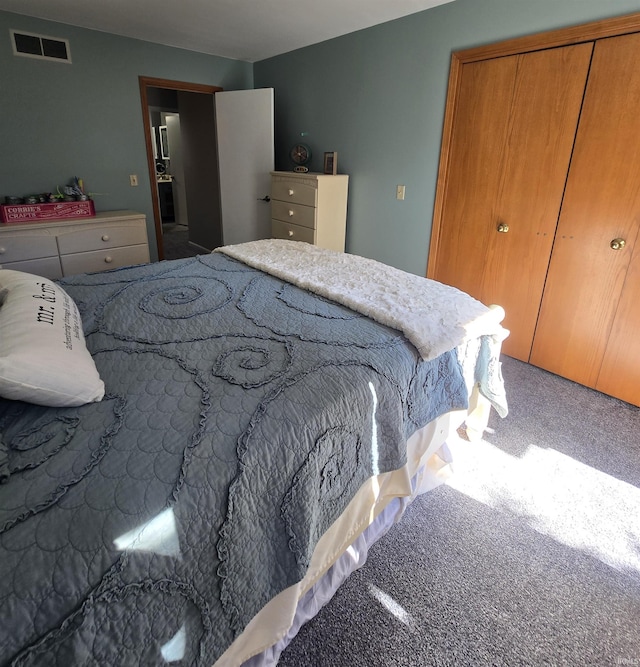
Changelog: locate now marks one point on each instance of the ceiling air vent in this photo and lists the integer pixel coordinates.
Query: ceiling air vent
(39, 46)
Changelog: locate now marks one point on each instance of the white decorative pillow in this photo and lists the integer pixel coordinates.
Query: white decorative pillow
(43, 355)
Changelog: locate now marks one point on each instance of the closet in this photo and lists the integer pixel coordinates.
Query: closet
(538, 200)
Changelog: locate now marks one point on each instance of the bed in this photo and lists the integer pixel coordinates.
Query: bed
(245, 424)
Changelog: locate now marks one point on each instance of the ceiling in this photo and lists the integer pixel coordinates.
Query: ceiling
(249, 30)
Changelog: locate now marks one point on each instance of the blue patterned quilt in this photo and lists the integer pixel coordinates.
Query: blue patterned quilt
(241, 415)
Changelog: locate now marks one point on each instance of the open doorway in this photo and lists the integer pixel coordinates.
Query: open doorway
(169, 198)
(170, 173)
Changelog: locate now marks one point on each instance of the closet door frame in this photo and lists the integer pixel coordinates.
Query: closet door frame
(586, 32)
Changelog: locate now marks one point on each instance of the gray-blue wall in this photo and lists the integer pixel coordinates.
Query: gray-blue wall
(84, 119)
(377, 97)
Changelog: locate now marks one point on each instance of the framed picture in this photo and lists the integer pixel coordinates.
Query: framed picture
(331, 163)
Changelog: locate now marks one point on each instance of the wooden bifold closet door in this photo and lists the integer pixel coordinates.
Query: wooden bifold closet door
(511, 145)
(589, 326)
(538, 200)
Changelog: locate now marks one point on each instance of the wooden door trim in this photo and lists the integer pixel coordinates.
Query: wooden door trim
(586, 32)
(612, 27)
(146, 82)
(453, 90)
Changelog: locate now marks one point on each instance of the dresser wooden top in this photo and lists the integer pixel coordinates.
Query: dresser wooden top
(99, 218)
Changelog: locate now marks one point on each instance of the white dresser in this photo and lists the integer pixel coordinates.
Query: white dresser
(65, 247)
(309, 207)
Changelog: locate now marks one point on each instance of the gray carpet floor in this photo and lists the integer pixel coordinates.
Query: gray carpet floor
(528, 555)
(175, 241)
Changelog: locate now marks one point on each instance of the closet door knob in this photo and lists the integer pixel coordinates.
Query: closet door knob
(503, 227)
(618, 244)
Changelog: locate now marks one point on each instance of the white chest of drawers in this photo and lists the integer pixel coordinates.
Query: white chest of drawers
(62, 248)
(309, 207)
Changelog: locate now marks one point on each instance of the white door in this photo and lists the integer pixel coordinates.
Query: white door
(244, 129)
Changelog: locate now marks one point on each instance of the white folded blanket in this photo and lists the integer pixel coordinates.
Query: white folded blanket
(434, 317)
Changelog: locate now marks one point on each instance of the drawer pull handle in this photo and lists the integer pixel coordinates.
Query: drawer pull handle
(105, 237)
(2, 250)
(290, 193)
(290, 213)
(291, 232)
(108, 259)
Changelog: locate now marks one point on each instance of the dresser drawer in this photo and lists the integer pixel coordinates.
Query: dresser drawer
(298, 193)
(82, 240)
(29, 246)
(103, 260)
(47, 267)
(310, 207)
(285, 230)
(295, 213)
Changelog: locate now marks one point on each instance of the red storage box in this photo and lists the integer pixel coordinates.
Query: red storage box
(38, 212)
